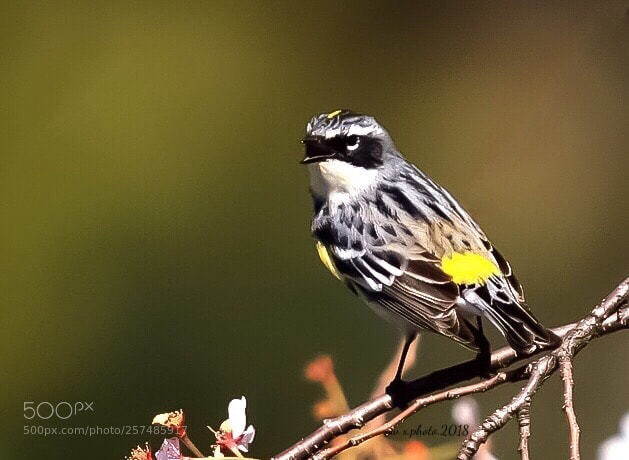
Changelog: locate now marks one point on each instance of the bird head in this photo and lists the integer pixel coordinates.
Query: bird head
(345, 151)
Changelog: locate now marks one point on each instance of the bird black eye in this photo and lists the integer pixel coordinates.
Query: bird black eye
(352, 142)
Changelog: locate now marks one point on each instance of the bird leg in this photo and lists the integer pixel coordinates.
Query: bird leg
(484, 351)
(407, 344)
(398, 388)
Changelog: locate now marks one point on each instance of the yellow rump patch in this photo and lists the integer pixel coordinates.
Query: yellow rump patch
(327, 260)
(334, 114)
(468, 268)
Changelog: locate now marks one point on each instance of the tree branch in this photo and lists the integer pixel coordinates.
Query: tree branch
(609, 316)
(524, 424)
(565, 368)
(417, 405)
(572, 342)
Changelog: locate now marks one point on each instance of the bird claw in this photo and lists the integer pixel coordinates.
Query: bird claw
(484, 366)
(400, 393)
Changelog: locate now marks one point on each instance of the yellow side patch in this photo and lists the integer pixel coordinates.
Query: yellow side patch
(468, 268)
(327, 260)
(334, 114)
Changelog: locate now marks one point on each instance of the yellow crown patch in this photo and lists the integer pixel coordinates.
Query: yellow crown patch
(334, 114)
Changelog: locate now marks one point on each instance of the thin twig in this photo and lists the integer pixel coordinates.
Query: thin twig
(190, 445)
(609, 316)
(417, 405)
(565, 368)
(382, 404)
(540, 371)
(573, 342)
(524, 424)
(615, 322)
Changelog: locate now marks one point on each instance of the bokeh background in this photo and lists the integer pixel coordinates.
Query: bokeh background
(154, 238)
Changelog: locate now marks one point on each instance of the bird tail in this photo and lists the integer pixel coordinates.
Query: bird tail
(524, 333)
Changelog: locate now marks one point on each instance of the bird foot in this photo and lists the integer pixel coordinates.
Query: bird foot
(400, 393)
(484, 366)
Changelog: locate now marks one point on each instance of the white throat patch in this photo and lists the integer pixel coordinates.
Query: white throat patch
(331, 177)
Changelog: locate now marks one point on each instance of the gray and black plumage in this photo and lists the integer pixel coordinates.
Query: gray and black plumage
(403, 244)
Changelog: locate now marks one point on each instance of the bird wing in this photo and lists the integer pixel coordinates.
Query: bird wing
(428, 297)
(491, 286)
(415, 288)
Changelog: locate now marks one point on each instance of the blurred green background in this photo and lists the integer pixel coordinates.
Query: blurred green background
(155, 220)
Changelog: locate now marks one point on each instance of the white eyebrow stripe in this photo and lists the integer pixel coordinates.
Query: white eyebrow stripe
(330, 133)
(357, 130)
(354, 130)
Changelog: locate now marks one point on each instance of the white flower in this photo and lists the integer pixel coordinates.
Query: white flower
(466, 411)
(238, 420)
(616, 447)
(232, 434)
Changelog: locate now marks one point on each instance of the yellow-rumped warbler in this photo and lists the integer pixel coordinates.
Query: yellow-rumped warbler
(404, 245)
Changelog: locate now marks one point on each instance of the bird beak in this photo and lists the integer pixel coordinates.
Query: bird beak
(316, 150)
